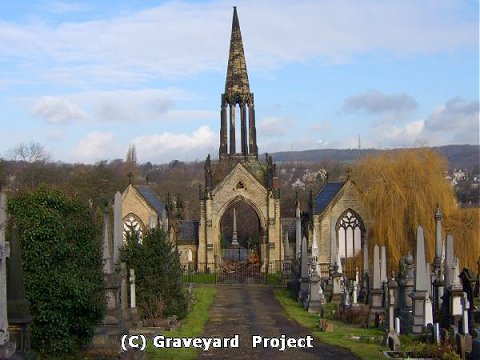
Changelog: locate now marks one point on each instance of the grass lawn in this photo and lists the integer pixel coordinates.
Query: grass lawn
(340, 336)
(200, 278)
(191, 326)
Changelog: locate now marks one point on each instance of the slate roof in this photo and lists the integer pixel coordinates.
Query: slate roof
(288, 224)
(151, 198)
(187, 232)
(326, 195)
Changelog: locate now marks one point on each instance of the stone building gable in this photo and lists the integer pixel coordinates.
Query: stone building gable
(240, 184)
(348, 197)
(134, 203)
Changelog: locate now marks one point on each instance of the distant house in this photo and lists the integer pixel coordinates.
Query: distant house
(142, 209)
(298, 184)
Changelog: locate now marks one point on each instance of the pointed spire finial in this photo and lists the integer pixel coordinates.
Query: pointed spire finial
(237, 88)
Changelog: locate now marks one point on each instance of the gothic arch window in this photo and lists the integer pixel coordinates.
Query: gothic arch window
(132, 223)
(350, 233)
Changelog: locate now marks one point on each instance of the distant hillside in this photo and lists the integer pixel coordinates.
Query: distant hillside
(458, 156)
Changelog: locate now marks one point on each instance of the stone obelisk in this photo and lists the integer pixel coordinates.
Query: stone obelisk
(234, 235)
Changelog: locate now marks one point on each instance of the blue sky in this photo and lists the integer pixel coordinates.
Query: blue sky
(87, 78)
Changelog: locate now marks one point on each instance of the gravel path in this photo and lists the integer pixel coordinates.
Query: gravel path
(252, 310)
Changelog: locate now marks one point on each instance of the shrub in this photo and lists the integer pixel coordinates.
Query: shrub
(62, 264)
(157, 271)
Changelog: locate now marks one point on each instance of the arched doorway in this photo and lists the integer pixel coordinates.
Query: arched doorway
(240, 232)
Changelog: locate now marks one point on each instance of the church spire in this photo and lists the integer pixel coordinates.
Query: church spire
(237, 93)
(237, 88)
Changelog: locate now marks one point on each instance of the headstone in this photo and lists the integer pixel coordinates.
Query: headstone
(436, 334)
(397, 325)
(428, 310)
(314, 303)
(420, 293)
(19, 316)
(117, 227)
(393, 340)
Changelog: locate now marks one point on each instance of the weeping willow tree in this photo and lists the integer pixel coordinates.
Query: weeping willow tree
(402, 190)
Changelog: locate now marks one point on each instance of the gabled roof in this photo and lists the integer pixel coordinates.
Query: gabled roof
(326, 195)
(151, 198)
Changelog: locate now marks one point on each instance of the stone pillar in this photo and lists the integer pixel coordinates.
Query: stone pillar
(298, 233)
(124, 291)
(304, 285)
(420, 293)
(449, 261)
(438, 243)
(19, 316)
(232, 129)
(376, 291)
(315, 301)
(393, 342)
(133, 298)
(234, 235)
(117, 227)
(333, 246)
(7, 348)
(243, 120)
(407, 284)
(223, 129)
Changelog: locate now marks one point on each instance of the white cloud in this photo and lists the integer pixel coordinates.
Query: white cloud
(165, 146)
(121, 105)
(57, 110)
(400, 136)
(178, 38)
(274, 126)
(96, 146)
(376, 102)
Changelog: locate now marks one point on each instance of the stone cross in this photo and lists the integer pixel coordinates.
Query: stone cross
(117, 227)
(298, 233)
(234, 235)
(4, 253)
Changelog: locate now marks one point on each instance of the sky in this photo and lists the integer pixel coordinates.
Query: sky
(85, 79)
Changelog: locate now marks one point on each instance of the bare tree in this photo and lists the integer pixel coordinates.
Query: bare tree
(31, 153)
(131, 155)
